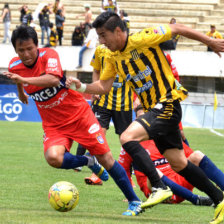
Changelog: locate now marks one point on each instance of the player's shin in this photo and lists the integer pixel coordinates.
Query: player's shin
(144, 163)
(197, 178)
(71, 161)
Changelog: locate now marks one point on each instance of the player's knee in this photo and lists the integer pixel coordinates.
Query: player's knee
(196, 157)
(179, 164)
(125, 137)
(53, 158)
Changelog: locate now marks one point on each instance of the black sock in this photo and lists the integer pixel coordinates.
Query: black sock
(80, 150)
(144, 163)
(197, 178)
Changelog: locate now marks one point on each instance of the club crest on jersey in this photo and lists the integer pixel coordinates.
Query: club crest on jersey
(135, 54)
(100, 139)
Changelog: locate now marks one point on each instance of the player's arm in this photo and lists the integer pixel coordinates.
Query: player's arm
(23, 97)
(98, 87)
(95, 77)
(216, 44)
(46, 80)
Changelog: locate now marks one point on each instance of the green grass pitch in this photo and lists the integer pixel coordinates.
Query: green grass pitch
(25, 179)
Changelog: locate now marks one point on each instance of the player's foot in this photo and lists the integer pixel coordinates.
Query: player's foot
(219, 212)
(134, 208)
(96, 167)
(158, 195)
(93, 180)
(204, 201)
(78, 169)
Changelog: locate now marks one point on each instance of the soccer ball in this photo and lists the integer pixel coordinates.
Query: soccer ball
(63, 196)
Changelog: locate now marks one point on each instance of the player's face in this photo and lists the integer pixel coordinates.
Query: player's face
(108, 38)
(27, 51)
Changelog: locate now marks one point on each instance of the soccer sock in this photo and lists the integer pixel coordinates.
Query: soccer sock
(70, 161)
(120, 177)
(144, 163)
(194, 175)
(212, 172)
(179, 190)
(80, 150)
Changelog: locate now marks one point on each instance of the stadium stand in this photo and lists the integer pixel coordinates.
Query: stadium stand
(198, 14)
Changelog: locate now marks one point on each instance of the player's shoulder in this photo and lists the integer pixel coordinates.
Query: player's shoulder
(47, 52)
(15, 62)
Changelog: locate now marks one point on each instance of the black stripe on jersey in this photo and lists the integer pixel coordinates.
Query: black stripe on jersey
(114, 96)
(105, 101)
(102, 60)
(125, 69)
(136, 69)
(165, 81)
(146, 61)
(123, 96)
(130, 98)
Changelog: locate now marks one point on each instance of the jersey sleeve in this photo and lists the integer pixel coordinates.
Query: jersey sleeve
(95, 62)
(53, 65)
(155, 35)
(109, 70)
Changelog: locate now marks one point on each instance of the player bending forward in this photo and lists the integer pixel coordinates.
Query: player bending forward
(66, 116)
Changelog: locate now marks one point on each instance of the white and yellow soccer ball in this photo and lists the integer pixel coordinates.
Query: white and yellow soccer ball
(63, 196)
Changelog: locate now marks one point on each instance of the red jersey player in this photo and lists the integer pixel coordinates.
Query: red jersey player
(66, 116)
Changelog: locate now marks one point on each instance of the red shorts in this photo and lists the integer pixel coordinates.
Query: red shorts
(86, 130)
(182, 182)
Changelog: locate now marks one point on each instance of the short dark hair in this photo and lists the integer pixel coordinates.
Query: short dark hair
(108, 20)
(24, 33)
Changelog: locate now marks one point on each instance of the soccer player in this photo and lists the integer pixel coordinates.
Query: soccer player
(116, 105)
(66, 116)
(142, 64)
(181, 188)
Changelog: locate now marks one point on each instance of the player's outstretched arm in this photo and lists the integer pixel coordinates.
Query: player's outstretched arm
(46, 80)
(23, 97)
(217, 45)
(98, 87)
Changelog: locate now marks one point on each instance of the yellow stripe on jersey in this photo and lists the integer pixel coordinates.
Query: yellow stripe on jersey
(120, 97)
(143, 65)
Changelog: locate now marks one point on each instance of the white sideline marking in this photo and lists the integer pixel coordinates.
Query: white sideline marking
(217, 133)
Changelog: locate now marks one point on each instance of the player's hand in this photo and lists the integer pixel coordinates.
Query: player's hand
(23, 97)
(217, 45)
(73, 83)
(14, 77)
(95, 97)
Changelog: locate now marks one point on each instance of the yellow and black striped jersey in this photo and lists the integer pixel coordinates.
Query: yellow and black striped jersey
(143, 65)
(120, 97)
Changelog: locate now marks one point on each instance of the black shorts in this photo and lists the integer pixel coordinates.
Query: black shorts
(121, 119)
(162, 125)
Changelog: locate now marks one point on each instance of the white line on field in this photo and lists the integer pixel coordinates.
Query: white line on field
(217, 133)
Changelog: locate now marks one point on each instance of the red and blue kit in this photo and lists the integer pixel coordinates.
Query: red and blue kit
(66, 116)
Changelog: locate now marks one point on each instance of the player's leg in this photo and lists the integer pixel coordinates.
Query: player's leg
(80, 151)
(197, 178)
(96, 143)
(120, 177)
(103, 116)
(130, 139)
(57, 154)
(210, 169)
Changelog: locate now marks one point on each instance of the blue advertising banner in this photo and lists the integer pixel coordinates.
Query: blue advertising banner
(12, 109)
